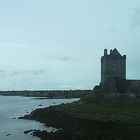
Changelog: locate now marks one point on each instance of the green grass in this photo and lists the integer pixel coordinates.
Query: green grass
(116, 110)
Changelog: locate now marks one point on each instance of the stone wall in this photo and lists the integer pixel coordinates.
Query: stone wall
(112, 66)
(134, 83)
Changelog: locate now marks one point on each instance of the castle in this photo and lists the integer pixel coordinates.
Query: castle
(113, 76)
(112, 65)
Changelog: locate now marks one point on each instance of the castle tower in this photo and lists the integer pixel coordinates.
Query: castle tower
(113, 65)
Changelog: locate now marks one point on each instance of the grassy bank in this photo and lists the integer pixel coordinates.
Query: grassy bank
(115, 110)
(91, 119)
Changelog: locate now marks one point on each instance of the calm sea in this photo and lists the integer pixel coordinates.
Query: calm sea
(14, 106)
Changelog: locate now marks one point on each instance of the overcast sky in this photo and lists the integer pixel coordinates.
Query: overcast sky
(57, 44)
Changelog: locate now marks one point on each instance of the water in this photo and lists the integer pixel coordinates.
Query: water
(13, 107)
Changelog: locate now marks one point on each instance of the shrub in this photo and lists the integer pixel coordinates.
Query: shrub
(92, 97)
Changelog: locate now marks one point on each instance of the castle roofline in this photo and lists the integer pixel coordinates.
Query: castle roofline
(115, 52)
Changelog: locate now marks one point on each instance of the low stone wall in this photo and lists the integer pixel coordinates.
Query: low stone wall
(134, 83)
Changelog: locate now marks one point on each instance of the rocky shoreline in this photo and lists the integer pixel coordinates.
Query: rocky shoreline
(71, 127)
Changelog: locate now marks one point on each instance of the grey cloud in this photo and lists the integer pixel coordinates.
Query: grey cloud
(27, 72)
(136, 18)
(111, 30)
(37, 72)
(59, 58)
(2, 74)
(13, 73)
(21, 77)
(2, 71)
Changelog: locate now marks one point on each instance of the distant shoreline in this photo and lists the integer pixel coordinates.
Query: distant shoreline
(49, 94)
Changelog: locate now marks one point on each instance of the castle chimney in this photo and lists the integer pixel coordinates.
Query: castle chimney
(124, 56)
(105, 51)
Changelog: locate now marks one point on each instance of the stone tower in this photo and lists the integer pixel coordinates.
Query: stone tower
(113, 65)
